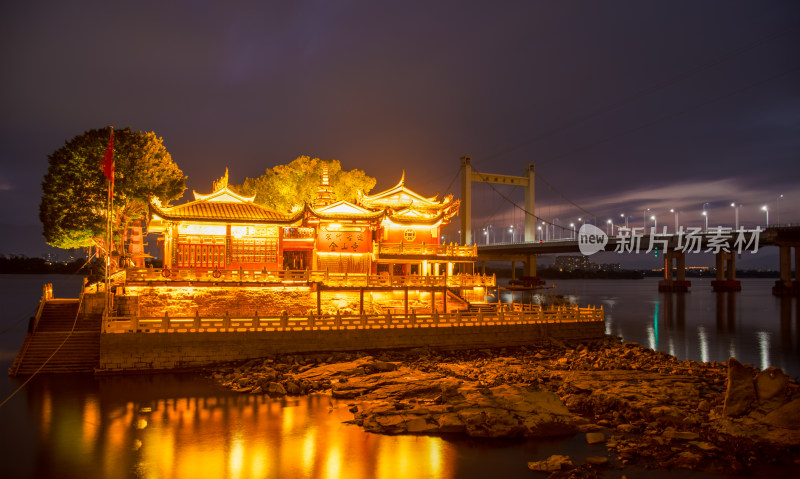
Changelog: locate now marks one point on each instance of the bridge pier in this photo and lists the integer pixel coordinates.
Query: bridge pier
(530, 266)
(785, 285)
(679, 284)
(726, 273)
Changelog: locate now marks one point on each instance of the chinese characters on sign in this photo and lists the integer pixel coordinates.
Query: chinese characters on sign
(691, 240)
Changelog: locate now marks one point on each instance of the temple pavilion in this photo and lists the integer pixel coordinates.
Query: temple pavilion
(394, 232)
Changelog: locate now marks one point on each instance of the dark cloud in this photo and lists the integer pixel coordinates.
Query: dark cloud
(621, 104)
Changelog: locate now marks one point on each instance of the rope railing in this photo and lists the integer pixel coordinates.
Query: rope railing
(314, 322)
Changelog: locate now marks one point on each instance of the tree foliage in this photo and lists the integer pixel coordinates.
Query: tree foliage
(74, 191)
(285, 187)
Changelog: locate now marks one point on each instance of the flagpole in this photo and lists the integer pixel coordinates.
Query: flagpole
(109, 172)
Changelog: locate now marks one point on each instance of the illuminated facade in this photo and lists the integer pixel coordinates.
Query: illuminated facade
(395, 232)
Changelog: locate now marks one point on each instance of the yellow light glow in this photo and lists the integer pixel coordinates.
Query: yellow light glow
(333, 463)
(236, 457)
(91, 420)
(205, 230)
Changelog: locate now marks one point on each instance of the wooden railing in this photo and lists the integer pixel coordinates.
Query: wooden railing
(416, 249)
(305, 277)
(313, 322)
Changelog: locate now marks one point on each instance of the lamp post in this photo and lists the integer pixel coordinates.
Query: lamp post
(622, 215)
(778, 208)
(672, 210)
(655, 222)
(736, 214)
(766, 210)
(572, 225)
(609, 224)
(511, 230)
(540, 232)
(705, 215)
(644, 218)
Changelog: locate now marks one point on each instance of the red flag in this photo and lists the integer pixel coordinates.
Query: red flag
(108, 159)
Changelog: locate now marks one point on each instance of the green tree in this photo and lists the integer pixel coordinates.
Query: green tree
(74, 192)
(285, 187)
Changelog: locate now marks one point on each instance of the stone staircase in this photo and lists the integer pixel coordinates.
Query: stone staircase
(81, 351)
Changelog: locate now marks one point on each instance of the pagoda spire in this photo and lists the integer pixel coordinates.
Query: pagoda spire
(325, 191)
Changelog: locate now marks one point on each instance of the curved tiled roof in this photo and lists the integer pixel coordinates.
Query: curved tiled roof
(219, 211)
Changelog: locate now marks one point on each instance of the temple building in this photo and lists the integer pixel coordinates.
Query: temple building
(394, 232)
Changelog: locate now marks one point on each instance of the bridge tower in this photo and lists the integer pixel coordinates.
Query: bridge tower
(468, 176)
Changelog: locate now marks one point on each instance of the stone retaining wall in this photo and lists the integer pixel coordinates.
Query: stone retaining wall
(153, 351)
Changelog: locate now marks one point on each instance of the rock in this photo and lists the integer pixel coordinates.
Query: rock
(553, 463)
(595, 438)
(671, 433)
(450, 422)
(786, 416)
(627, 428)
(420, 425)
(597, 460)
(740, 393)
(276, 389)
(771, 383)
(293, 389)
(684, 460)
(380, 366)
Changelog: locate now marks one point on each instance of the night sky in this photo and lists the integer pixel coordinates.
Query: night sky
(622, 105)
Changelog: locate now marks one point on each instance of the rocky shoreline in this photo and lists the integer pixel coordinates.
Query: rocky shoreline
(647, 408)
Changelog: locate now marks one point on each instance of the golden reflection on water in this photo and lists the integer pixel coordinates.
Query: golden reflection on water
(239, 437)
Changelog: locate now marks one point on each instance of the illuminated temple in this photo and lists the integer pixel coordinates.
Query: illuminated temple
(240, 281)
(394, 232)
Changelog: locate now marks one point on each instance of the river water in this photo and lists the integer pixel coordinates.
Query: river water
(183, 426)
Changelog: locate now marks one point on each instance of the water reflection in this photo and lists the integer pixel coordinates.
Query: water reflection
(726, 311)
(111, 428)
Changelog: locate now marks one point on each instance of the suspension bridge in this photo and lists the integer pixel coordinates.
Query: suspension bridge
(724, 242)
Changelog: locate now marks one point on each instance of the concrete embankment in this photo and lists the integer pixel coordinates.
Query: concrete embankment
(156, 351)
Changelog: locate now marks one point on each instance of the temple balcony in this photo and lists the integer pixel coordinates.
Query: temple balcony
(441, 252)
(302, 277)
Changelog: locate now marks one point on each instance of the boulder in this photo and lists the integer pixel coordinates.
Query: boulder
(786, 416)
(276, 389)
(553, 463)
(597, 460)
(595, 438)
(771, 383)
(741, 393)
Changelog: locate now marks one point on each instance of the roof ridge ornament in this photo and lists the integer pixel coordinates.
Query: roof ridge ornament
(222, 182)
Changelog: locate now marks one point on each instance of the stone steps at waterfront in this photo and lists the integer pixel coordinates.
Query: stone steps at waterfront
(78, 350)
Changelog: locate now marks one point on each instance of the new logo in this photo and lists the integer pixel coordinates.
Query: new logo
(591, 239)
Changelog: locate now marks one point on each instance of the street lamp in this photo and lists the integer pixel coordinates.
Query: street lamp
(705, 215)
(540, 232)
(572, 225)
(511, 230)
(610, 225)
(672, 210)
(655, 222)
(778, 204)
(622, 215)
(644, 218)
(766, 210)
(736, 214)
